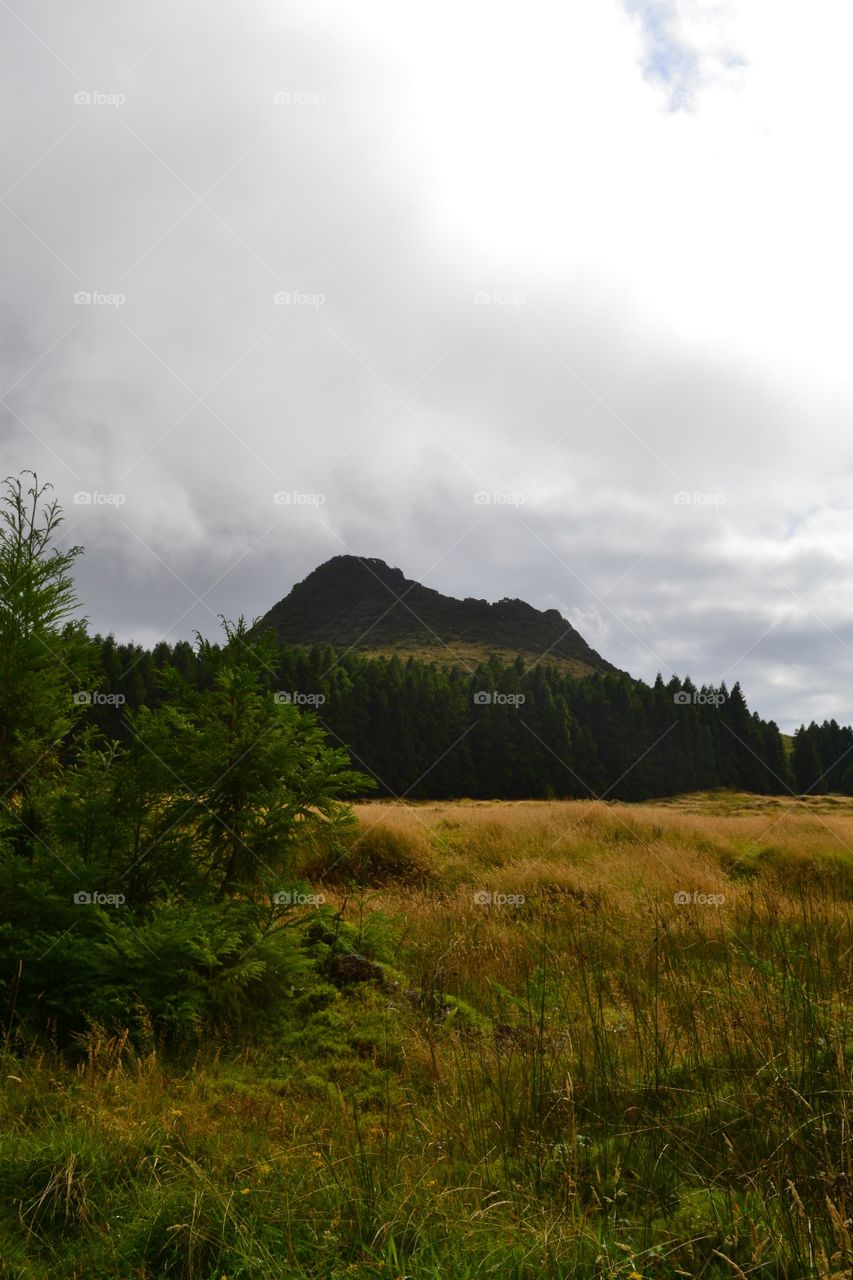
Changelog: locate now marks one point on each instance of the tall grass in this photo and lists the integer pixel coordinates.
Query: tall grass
(595, 1081)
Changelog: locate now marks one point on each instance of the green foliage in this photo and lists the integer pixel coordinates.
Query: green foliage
(422, 731)
(44, 658)
(246, 777)
(150, 881)
(822, 757)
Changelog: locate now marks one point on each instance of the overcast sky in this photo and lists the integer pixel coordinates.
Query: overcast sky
(588, 260)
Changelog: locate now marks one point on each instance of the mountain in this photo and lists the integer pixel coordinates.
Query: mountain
(360, 603)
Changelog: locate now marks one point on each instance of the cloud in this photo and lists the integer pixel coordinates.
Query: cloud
(668, 313)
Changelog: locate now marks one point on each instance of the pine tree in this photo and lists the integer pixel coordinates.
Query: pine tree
(249, 774)
(805, 761)
(45, 659)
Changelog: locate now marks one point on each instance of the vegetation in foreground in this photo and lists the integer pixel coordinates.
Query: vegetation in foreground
(249, 1033)
(596, 1081)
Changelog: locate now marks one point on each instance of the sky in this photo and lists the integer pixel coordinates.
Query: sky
(547, 301)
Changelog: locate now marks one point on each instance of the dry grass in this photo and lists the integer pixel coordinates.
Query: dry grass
(579, 1078)
(632, 854)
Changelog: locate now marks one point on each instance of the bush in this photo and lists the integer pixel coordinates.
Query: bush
(149, 887)
(378, 854)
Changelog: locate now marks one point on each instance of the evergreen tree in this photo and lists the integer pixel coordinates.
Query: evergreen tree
(45, 659)
(805, 761)
(248, 774)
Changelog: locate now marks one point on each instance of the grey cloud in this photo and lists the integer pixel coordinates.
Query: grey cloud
(396, 397)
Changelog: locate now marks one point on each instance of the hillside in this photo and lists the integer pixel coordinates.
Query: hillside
(359, 603)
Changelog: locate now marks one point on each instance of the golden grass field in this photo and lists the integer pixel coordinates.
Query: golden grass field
(632, 857)
(581, 1077)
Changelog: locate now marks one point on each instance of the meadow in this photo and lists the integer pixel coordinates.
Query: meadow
(572, 1039)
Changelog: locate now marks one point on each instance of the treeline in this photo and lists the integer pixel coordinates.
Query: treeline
(822, 758)
(503, 731)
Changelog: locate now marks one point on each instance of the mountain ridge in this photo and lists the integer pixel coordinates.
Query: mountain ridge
(362, 603)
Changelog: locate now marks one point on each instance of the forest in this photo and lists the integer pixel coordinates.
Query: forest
(510, 731)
